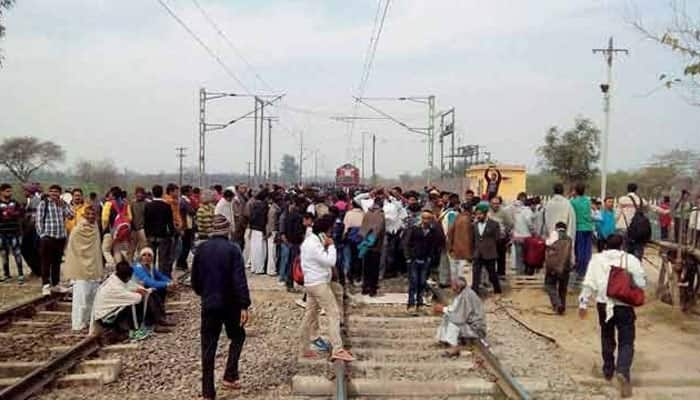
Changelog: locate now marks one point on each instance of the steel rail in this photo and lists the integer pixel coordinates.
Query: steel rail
(48, 372)
(510, 387)
(339, 366)
(26, 308)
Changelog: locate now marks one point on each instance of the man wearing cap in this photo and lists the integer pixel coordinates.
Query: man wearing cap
(218, 277)
(150, 277)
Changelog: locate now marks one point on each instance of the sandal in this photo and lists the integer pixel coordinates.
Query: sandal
(235, 385)
(342, 355)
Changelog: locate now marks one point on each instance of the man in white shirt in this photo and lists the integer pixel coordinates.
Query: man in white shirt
(613, 314)
(624, 212)
(318, 258)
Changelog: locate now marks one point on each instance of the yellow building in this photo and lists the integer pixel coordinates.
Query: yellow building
(512, 179)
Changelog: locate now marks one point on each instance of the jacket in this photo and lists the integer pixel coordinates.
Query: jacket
(421, 244)
(158, 219)
(459, 237)
(175, 208)
(138, 208)
(258, 215)
(218, 275)
(485, 246)
(273, 213)
(559, 209)
(373, 221)
(150, 278)
(294, 226)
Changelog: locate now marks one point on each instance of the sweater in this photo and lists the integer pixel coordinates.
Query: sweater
(158, 219)
(10, 217)
(582, 209)
(138, 209)
(459, 237)
(218, 275)
(205, 217)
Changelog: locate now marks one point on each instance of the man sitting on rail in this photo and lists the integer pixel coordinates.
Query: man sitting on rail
(462, 320)
(125, 307)
(149, 277)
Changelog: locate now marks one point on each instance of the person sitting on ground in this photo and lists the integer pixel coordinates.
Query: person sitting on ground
(84, 266)
(462, 320)
(149, 277)
(125, 307)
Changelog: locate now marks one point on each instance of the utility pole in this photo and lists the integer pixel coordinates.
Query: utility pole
(301, 157)
(374, 159)
(269, 149)
(181, 155)
(255, 144)
(249, 177)
(204, 126)
(262, 131)
(447, 129)
(316, 165)
(362, 169)
(606, 88)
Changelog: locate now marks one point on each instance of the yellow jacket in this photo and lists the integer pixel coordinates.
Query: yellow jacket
(106, 212)
(79, 212)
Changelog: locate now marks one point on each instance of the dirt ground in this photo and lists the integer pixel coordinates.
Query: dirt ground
(666, 346)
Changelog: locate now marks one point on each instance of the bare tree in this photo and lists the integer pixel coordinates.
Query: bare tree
(23, 156)
(4, 5)
(102, 173)
(682, 37)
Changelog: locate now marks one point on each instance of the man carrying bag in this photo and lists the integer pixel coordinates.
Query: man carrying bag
(617, 279)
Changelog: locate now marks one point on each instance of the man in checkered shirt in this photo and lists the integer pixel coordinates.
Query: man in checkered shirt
(51, 228)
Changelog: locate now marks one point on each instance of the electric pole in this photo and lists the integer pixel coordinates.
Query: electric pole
(363, 156)
(269, 149)
(181, 155)
(301, 157)
(374, 159)
(255, 143)
(606, 88)
(249, 177)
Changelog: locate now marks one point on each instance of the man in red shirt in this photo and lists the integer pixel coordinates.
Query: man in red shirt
(665, 218)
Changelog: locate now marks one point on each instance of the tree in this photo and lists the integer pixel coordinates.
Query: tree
(103, 174)
(682, 37)
(571, 155)
(289, 170)
(4, 5)
(23, 156)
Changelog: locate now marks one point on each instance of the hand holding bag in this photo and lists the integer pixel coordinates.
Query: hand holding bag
(621, 286)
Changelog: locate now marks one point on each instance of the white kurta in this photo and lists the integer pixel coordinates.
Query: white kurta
(83, 298)
(257, 251)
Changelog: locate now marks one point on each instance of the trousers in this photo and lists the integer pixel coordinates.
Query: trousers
(317, 297)
(51, 253)
(556, 287)
(622, 321)
(11, 246)
(490, 265)
(417, 277)
(162, 249)
(210, 330)
(370, 272)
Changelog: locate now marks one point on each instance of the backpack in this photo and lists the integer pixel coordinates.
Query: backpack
(297, 272)
(639, 229)
(366, 244)
(558, 256)
(121, 227)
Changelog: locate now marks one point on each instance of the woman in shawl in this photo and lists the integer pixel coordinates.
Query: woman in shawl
(84, 266)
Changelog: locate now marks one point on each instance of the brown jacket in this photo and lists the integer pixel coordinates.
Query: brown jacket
(485, 246)
(373, 221)
(460, 237)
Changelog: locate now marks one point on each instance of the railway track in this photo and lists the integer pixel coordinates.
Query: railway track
(397, 358)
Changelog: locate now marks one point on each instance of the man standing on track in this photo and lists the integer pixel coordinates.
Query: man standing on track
(51, 228)
(10, 232)
(218, 277)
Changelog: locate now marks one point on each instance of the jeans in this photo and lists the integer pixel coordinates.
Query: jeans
(51, 252)
(479, 264)
(11, 244)
(283, 262)
(417, 276)
(212, 320)
(556, 287)
(518, 261)
(622, 321)
(583, 251)
(162, 251)
(664, 233)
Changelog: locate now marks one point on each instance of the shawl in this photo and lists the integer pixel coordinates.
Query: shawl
(84, 253)
(466, 311)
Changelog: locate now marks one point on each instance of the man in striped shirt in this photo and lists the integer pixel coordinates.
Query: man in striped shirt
(51, 229)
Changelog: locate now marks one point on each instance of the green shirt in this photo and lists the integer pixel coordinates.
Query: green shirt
(582, 209)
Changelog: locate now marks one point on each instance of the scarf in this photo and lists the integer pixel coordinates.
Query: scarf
(83, 253)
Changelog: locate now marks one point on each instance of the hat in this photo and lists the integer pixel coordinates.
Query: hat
(220, 226)
(146, 250)
(482, 206)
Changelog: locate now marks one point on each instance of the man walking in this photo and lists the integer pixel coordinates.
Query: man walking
(50, 226)
(626, 208)
(10, 232)
(505, 224)
(613, 315)
(584, 229)
(138, 209)
(459, 243)
(486, 236)
(218, 277)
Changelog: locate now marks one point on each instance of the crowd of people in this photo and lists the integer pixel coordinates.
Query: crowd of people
(332, 237)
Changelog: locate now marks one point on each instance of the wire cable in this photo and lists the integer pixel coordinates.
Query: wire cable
(208, 49)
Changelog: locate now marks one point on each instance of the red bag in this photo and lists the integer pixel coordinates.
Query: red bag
(534, 250)
(621, 286)
(297, 272)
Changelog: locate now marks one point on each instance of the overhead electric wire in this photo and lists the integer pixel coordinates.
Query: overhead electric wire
(211, 52)
(228, 41)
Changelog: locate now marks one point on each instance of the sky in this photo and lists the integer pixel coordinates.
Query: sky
(120, 80)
